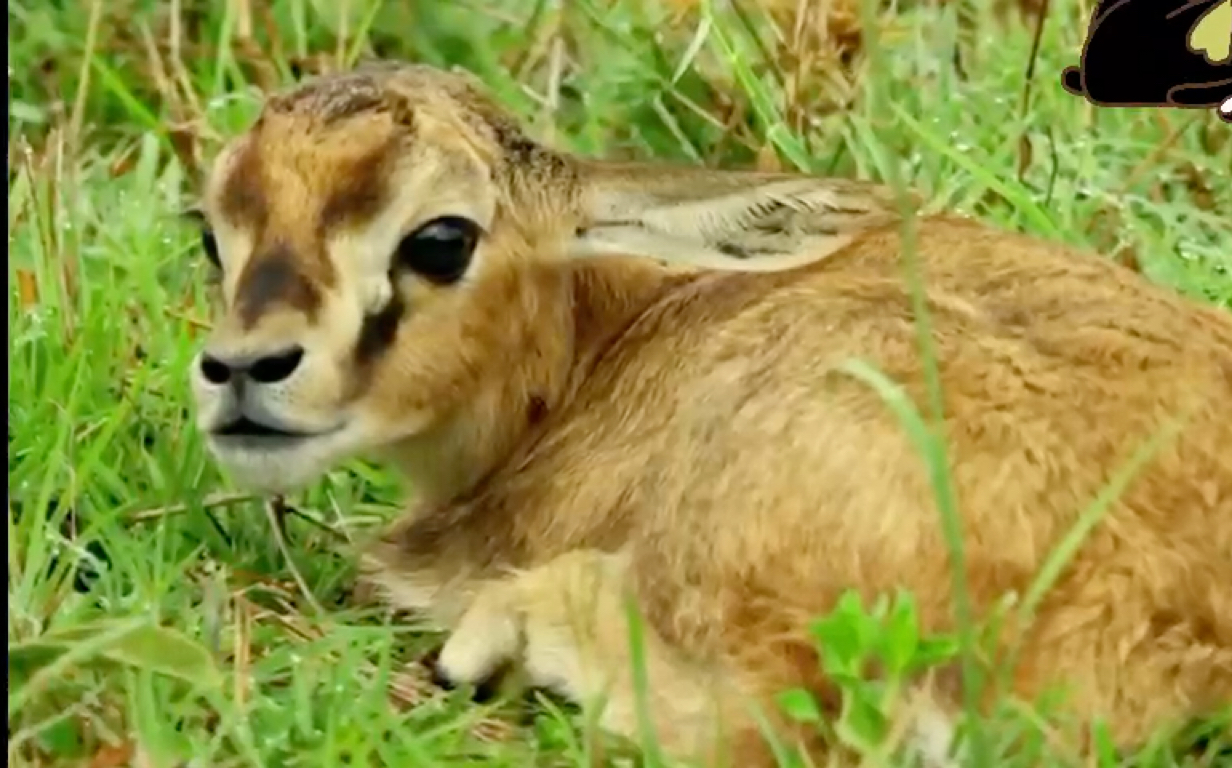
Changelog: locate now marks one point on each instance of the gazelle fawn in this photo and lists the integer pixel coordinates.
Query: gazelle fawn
(586, 425)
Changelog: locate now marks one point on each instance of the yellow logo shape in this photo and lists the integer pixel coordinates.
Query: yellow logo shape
(1211, 36)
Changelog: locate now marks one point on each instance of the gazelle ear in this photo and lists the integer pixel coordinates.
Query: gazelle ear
(726, 219)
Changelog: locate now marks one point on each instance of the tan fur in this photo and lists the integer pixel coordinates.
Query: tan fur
(578, 431)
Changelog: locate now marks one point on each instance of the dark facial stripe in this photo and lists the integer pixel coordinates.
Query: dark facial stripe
(243, 199)
(379, 332)
(272, 278)
(361, 191)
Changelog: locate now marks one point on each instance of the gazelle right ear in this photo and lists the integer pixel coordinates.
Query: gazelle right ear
(726, 219)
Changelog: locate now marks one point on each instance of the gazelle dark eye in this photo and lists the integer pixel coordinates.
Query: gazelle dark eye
(441, 250)
(210, 246)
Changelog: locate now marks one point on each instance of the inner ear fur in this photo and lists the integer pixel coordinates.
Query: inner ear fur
(728, 219)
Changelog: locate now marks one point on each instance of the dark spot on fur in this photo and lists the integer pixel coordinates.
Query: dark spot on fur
(273, 278)
(744, 251)
(733, 250)
(536, 410)
(379, 331)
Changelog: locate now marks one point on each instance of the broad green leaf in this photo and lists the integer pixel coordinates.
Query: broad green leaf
(900, 636)
(863, 724)
(800, 705)
(840, 642)
(138, 644)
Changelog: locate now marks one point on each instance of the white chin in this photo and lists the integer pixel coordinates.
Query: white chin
(277, 468)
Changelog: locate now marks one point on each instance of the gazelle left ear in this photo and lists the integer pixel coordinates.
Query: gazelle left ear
(727, 219)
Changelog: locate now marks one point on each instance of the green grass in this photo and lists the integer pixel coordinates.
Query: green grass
(152, 609)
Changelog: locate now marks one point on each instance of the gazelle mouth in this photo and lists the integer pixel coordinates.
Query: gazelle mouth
(246, 427)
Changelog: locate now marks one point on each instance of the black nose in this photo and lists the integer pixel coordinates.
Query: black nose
(269, 369)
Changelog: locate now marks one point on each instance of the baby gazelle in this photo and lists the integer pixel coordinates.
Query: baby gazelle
(400, 277)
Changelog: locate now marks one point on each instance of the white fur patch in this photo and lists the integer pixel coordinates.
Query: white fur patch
(933, 734)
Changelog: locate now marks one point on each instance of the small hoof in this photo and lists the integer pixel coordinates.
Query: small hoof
(431, 662)
(485, 690)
